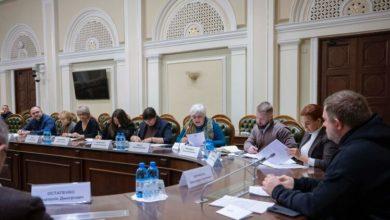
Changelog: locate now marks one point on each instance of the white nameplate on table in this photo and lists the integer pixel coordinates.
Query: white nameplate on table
(63, 193)
(234, 212)
(139, 147)
(61, 141)
(189, 151)
(176, 146)
(33, 139)
(102, 144)
(214, 159)
(195, 177)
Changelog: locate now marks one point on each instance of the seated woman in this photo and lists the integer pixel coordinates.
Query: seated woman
(119, 123)
(315, 149)
(87, 127)
(67, 124)
(198, 123)
(153, 129)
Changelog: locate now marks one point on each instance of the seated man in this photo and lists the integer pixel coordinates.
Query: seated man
(357, 180)
(5, 112)
(15, 204)
(39, 123)
(153, 129)
(198, 123)
(267, 130)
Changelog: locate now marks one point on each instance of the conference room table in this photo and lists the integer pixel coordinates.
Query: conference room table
(112, 177)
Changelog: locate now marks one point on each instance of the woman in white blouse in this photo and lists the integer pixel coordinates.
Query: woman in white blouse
(315, 149)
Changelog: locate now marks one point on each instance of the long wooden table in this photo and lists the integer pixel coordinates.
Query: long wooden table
(112, 177)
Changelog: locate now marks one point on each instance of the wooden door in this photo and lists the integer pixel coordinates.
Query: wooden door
(24, 90)
(359, 63)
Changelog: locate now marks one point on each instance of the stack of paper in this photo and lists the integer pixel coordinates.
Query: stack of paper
(247, 204)
(229, 149)
(197, 139)
(281, 160)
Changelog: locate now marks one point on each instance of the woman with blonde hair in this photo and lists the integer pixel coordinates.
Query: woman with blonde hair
(67, 124)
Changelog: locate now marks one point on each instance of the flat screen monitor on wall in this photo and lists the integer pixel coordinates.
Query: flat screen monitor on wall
(92, 84)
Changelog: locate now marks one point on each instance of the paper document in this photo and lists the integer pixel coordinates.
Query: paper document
(229, 149)
(258, 190)
(234, 212)
(280, 150)
(247, 204)
(196, 139)
(284, 166)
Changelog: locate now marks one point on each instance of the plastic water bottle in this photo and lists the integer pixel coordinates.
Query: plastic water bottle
(119, 141)
(153, 174)
(46, 137)
(140, 177)
(208, 147)
(124, 142)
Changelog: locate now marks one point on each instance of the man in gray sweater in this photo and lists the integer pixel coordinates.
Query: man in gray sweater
(267, 130)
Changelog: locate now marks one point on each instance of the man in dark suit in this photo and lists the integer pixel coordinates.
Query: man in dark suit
(14, 204)
(356, 183)
(5, 112)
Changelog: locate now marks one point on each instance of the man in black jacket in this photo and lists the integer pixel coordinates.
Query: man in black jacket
(357, 182)
(14, 204)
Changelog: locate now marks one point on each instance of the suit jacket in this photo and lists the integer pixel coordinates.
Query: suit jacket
(18, 205)
(322, 149)
(164, 130)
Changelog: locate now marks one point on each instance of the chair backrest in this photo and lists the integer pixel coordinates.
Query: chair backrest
(55, 116)
(221, 116)
(186, 120)
(175, 126)
(14, 122)
(137, 121)
(167, 116)
(296, 130)
(227, 129)
(25, 114)
(102, 119)
(246, 123)
(284, 118)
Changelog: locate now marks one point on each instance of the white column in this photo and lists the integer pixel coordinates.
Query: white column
(238, 84)
(133, 56)
(67, 87)
(52, 98)
(4, 93)
(314, 70)
(122, 87)
(154, 82)
(289, 78)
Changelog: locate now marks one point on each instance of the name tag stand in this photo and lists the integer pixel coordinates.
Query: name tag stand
(195, 177)
(102, 144)
(32, 139)
(65, 193)
(64, 141)
(139, 147)
(190, 151)
(214, 159)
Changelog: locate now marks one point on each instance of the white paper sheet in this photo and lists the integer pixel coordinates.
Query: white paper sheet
(280, 150)
(284, 166)
(247, 204)
(196, 139)
(257, 190)
(230, 149)
(234, 212)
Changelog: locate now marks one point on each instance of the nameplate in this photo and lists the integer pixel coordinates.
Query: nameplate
(189, 151)
(214, 159)
(196, 177)
(64, 193)
(139, 147)
(61, 141)
(102, 144)
(33, 139)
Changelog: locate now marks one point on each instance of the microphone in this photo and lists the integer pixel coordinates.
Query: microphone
(255, 163)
